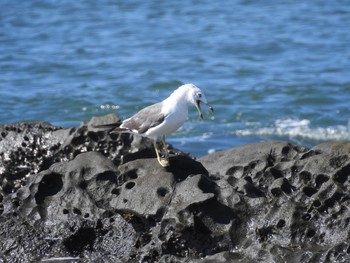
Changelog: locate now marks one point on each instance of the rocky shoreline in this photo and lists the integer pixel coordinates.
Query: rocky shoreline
(82, 195)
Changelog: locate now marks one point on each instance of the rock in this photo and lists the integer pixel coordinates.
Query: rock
(69, 202)
(29, 148)
(294, 202)
(81, 194)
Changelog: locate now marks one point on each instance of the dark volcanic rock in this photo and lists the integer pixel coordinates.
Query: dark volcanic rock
(28, 148)
(91, 196)
(293, 202)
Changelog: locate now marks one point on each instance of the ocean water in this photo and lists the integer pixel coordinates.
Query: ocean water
(273, 70)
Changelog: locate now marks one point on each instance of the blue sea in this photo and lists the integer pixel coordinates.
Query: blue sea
(273, 70)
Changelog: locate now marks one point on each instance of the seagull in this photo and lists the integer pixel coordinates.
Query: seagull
(163, 118)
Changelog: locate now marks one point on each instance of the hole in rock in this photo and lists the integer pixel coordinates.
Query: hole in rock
(153, 256)
(305, 176)
(114, 136)
(49, 185)
(252, 191)
(125, 200)
(130, 185)
(115, 191)
(162, 191)
(99, 224)
(337, 196)
(248, 179)
(322, 209)
(83, 239)
(131, 174)
(316, 203)
(320, 179)
(93, 136)
(65, 211)
(83, 185)
(276, 192)
(310, 233)
(79, 140)
(309, 191)
(287, 187)
(342, 175)
(264, 233)
(330, 202)
(107, 176)
(7, 188)
(86, 215)
(286, 150)
(76, 211)
(281, 223)
(276, 173)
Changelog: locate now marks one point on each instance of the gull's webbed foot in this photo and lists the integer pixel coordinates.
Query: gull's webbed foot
(164, 162)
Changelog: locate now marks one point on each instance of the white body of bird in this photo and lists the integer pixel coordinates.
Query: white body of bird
(164, 117)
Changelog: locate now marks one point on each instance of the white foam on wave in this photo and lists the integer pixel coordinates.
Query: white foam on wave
(296, 128)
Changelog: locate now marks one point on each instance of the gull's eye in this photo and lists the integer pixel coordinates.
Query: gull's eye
(199, 95)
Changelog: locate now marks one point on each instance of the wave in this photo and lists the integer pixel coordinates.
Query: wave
(299, 129)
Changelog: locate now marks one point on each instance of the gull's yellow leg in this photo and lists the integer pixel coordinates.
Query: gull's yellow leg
(165, 148)
(162, 161)
(163, 140)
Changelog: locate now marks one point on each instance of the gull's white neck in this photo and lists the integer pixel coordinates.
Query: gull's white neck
(179, 96)
(177, 101)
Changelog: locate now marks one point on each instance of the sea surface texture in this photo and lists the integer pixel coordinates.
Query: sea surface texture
(273, 70)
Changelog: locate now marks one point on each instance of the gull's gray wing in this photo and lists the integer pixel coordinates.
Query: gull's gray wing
(145, 119)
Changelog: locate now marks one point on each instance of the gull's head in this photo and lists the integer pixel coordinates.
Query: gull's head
(196, 96)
